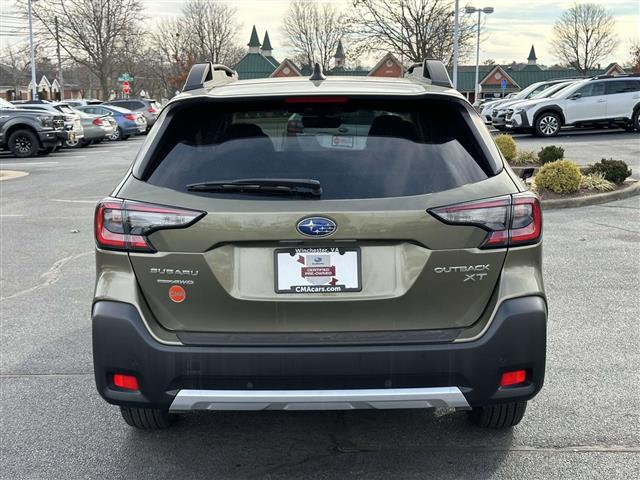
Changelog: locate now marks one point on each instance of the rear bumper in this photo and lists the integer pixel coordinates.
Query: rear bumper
(464, 374)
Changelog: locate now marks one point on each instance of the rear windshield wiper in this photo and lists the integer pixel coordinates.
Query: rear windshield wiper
(268, 186)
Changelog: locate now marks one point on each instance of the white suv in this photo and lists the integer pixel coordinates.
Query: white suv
(603, 100)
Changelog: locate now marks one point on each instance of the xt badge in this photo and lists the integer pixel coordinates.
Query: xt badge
(477, 275)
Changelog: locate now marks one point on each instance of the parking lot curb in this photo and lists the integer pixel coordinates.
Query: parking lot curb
(10, 174)
(629, 191)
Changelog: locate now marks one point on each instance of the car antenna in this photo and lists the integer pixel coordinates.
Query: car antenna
(317, 74)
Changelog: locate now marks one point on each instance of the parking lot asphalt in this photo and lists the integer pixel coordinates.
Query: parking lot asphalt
(584, 424)
(589, 146)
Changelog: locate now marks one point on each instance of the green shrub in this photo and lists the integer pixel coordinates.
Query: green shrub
(561, 176)
(507, 146)
(550, 154)
(596, 181)
(525, 157)
(615, 171)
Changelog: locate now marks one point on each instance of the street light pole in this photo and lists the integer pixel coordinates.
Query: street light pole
(34, 88)
(456, 43)
(479, 11)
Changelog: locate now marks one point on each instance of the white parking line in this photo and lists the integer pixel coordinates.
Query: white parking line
(27, 164)
(93, 202)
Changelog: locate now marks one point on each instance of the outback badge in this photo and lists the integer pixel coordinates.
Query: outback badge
(316, 227)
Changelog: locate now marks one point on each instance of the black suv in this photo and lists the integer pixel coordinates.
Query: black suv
(27, 133)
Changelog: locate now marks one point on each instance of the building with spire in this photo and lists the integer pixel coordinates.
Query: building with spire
(267, 50)
(258, 61)
(495, 80)
(339, 57)
(532, 59)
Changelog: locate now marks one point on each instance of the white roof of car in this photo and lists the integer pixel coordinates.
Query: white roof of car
(333, 85)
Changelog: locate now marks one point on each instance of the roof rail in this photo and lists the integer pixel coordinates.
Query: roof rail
(431, 71)
(208, 74)
(616, 75)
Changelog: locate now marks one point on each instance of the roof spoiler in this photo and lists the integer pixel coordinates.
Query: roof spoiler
(208, 74)
(431, 71)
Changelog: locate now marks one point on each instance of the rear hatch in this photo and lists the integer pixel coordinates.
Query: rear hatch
(319, 228)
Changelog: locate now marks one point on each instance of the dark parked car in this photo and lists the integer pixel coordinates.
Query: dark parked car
(27, 133)
(71, 119)
(148, 107)
(129, 123)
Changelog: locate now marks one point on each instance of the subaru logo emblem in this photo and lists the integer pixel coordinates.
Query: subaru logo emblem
(316, 227)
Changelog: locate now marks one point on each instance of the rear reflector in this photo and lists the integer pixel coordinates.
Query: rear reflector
(514, 377)
(511, 220)
(124, 225)
(127, 382)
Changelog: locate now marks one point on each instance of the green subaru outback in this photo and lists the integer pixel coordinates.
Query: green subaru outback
(319, 243)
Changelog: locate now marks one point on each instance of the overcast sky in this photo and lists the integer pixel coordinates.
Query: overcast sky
(509, 31)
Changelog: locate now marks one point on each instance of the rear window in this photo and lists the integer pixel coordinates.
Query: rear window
(355, 149)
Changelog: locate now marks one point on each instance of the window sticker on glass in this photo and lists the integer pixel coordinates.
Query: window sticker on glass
(342, 141)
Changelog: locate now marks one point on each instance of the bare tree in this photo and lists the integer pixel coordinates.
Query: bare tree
(313, 31)
(92, 33)
(16, 57)
(412, 29)
(584, 35)
(168, 47)
(634, 51)
(212, 28)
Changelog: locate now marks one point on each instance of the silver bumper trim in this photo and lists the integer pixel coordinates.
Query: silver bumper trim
(387, 398)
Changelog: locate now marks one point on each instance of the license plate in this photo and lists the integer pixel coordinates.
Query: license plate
(317, 270)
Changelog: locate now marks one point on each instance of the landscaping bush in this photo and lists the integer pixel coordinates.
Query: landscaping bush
(615, 171)
(550, 154)
(507, 146)
(525, 157)
(561, 176)
(596, 181)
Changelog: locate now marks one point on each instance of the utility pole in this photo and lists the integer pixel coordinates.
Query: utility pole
(34, 87)
(456, 43)
(60, 78)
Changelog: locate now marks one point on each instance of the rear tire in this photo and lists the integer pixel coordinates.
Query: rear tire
(117, 135)
(24, 143)
(547, 124)
(502, 415)
(636, 119)
(147, 418)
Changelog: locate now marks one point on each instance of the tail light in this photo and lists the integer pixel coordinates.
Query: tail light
(510, 221)
(130, 116)
(124, 225)
(97, 121)
(152, 110)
